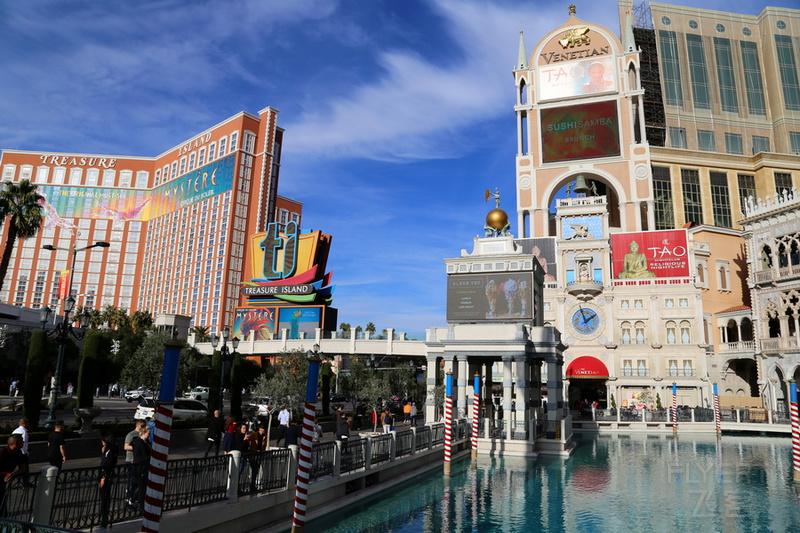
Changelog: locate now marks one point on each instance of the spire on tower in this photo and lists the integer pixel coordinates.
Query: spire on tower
(630, 42)
(522, 59)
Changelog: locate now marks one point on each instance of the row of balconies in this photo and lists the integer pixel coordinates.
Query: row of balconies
(772, 275)
(670, 373)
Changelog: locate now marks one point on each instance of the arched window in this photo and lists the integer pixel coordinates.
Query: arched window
(700, 277)
(732, 333)
(747, 329)
(626, 332)
(686, 332)
(766, 257)
(672, 337)
(627, 368)
(639, 328)
(523, 93)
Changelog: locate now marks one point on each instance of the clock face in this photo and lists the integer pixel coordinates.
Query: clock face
(586, 321)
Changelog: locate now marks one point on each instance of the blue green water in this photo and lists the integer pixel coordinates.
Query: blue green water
(612, 483)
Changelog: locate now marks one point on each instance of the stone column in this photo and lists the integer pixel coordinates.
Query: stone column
(430, 384)
(555, 392)
(523, 394)
(463, 390)
(508, 385)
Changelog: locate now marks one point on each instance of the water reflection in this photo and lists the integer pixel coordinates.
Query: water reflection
(611, 483)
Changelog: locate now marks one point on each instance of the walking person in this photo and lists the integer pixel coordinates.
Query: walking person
(56, 449)
(216, 425)
(342, 431)
(128, 447)
(141, 459)
(228, 443)
(407, 413)
(108, 460)
(413, 414)
(283, 419)
(387, 421)
(22, 431)
(13, 463)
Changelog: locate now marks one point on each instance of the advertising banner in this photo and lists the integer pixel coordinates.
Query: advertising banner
(544, 249)
(650, 254)
(299, 319)
(506, 296)
(247, 320)
(580, 132)
(135, 204)
(574, 78)
(63, 283)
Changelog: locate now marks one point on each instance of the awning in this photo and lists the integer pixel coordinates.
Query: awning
(587, 368)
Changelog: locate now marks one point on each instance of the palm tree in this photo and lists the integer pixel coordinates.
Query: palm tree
(345, 327)
(23, 205)
(370, 327)
(201, 334)
(141, 320)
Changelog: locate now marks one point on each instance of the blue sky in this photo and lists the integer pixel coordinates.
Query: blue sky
(398, 113)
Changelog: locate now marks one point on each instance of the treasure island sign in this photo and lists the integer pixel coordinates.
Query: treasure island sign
(288, 288)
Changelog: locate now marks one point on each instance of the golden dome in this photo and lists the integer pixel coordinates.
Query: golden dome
(497, 219)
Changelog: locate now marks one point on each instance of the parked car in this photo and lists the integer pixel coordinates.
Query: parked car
(137, 394)
(262, 405)
(198, 393)
(339, 398)
(180, 409)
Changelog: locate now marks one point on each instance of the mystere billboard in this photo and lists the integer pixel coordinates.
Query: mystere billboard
(580, 132)
(483, 297)
(650, 254)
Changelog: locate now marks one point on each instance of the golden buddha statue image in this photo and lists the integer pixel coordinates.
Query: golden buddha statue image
(634, 264)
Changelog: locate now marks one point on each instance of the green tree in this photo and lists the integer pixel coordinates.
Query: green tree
(21, 208)
(345, 327)
(364, 382)
(144, 366)
(287, 386)
(370, 327)
(34, 377)
(201, 334)
(141, 321)
(93, 345)
(214, 390)
(236, 386)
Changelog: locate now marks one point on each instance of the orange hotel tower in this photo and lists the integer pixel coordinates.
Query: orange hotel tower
(177, 222)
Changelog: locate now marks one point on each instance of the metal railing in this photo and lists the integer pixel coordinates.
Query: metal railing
(322, 459)
(404, 444)
(14, 526)
(193, 482)
(437, 434)
(18, 501)
(381, 449)
(353, 456)
(423, 438)
(263, 471)
(697, 414)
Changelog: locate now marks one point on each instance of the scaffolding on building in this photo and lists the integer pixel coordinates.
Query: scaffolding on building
(645, 38)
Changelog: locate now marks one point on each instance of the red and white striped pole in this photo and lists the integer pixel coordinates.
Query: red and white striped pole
(448, 421)
(476, 412)
(674, 409)
(157, 472)
(795, 430)
(304, 461)
(717, 420)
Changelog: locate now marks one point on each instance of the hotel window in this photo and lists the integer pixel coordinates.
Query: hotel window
(174, 171)
(706, 141)
(720, 199)
(75, 176)
(222, 145)
(158, 177)
(249, 143)
(41, 174)
(725, 76)
(125, 178)
(669, 302)
(638, 304)
(733, 143)
(192, 160)
(788, 70)
(212, 151)
(690, 186)
(677, 137)
(760, 144)
(688, 371)
(754, 87)
(672, 368)
(182, 168)
(686, 332)
(201, 157)
(639, 329)
(794, 142)
(747, 188)
(783, 181)
(234, 141)
(671, 333)
(662, 198)
(723, 275)
(641, 368)
(683, 302)
(698, 71)
(627, 368)
(701, 274)
(673, 94)
(625, 327)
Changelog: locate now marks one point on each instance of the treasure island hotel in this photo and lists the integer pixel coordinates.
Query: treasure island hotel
(644, 163)
(176, 223)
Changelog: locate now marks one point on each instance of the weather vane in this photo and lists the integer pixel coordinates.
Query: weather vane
(497, 224)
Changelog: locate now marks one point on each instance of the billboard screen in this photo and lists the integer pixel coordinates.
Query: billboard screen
(136, 204)
(650, 254)
(580, 132)
(260, 320)
(506, 296)
(299, 319)
(544, 249)
(574, 78)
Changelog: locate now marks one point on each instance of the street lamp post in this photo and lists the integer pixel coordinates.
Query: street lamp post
(64, 329)
(225, 355)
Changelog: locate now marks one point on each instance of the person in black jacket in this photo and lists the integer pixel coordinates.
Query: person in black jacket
(216, 425)
(141, 459)
(108, 460)
(342, 431)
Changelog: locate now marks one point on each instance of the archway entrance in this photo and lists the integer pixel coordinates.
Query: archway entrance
(587, 384)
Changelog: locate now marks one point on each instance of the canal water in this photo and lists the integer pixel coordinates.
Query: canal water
(611, 483)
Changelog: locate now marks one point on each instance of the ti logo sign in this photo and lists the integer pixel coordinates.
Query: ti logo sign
(279, 265)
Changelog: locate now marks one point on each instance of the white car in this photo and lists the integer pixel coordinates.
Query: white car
(137, 394)
(198, 393)
(185, 409)
(262, 405)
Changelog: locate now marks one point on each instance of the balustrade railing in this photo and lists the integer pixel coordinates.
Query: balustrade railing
(323, 456)
(263, 471)
(381, 449)
(404, 441)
